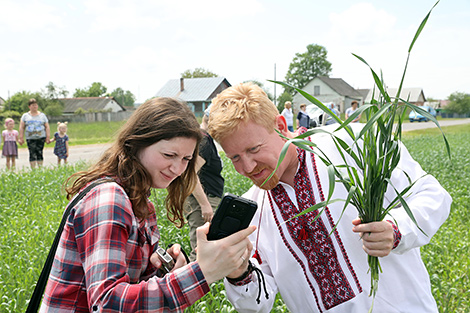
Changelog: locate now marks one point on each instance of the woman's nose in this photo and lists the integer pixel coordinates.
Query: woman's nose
(179, 166)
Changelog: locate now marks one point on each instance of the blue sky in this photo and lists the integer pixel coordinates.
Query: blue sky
(139, 45)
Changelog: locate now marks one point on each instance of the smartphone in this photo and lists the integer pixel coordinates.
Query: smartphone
(167, 261)
(234, 213)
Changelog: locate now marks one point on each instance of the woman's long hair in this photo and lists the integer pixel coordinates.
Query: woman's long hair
(157, 119)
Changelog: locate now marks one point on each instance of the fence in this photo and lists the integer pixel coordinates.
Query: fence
(92, 117)
(454, 115)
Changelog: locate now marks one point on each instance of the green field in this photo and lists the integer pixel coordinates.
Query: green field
(32, 202)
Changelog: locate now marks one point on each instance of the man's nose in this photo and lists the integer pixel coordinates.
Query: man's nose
(248, 165)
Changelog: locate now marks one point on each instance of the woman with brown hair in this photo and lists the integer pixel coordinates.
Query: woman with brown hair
(105, 261)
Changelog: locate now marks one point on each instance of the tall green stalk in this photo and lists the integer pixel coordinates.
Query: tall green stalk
(375, 151)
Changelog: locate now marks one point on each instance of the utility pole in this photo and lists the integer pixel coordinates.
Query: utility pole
(275, 85)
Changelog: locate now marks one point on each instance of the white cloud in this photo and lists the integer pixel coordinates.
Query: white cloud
(110, 15)
(29, 16)
(362, 24)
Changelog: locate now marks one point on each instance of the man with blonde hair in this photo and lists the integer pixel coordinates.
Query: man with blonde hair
(297, 257)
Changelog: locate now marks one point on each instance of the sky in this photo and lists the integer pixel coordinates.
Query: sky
(140, 45)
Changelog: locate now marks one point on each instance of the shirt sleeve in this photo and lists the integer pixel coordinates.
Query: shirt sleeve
(107, 252)
(428, 201)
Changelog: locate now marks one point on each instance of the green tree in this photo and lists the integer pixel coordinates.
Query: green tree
(198, 73)
(54, 92)
(308, 65)
(285, 96)
(19, 101)
(459, 103)
(95, 90)
(124, 97)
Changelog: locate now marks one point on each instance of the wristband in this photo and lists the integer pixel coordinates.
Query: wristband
(244, 278)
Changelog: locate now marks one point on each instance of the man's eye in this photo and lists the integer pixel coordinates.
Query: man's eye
(235, 158)
(254, 149)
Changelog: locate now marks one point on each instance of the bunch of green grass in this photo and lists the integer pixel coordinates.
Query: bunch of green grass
(375, 152)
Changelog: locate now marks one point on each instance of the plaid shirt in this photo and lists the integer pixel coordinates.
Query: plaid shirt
(102, 262)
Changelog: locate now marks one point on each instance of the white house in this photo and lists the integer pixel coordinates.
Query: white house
(328, 89)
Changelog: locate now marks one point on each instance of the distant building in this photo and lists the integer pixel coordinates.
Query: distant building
(91, 104)
(327, 89)
(2, 102)
(196, 92)
(412, 95)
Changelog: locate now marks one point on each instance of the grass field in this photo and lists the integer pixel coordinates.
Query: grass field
(32, 202)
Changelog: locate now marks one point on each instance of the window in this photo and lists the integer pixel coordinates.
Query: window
(316, 90)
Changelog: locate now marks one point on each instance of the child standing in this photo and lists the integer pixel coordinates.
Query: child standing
(9, 138)
(61, 148)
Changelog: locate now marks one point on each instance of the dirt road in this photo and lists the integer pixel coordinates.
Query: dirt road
(92, 152)
(76, 153)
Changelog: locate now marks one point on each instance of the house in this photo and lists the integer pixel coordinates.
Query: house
(91, 104)
(328, 89)
(196, 92)
(412, 95)
(2, 102)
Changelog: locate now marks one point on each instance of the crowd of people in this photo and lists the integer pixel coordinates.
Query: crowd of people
(106, 259)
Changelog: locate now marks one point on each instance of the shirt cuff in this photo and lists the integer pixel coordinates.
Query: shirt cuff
(396, 235)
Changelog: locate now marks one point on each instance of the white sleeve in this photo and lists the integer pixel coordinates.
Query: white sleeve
(428, 201)
(244, 298)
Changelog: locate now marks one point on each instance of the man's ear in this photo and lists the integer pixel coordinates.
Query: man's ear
(281, 124)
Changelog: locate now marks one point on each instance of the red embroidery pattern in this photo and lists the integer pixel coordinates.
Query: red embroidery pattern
(332, 224)
(313, 240)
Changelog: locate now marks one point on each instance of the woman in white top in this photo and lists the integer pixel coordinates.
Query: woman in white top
(289, 115)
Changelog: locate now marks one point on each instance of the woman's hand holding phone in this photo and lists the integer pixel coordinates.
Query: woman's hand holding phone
(223, 257)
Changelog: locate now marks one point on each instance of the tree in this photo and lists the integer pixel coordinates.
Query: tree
(126, 97)
(285, 96)
(197, 73)
(54, 92)
(459, 103)
(306, 66)
(95, 90)
(19, 101)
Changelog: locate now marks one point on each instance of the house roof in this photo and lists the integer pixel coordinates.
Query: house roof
(95, 103)
(194, 89)
(413, 94)
(340, 86)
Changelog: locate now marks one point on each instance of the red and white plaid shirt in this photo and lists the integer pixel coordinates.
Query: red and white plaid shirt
(102, 262)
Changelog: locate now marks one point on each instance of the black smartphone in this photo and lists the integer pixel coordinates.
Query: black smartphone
(234, 213)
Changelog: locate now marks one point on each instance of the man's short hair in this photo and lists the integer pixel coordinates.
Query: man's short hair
(237, 104)
(354, 101)
(303, 105)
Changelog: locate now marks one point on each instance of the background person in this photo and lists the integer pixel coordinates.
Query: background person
(61, 148)
(350, 111)
(35, 126)
(9, 139)
(288, 115)
(105, 261)
(313, 271)
(303, 120)
(202, 203)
